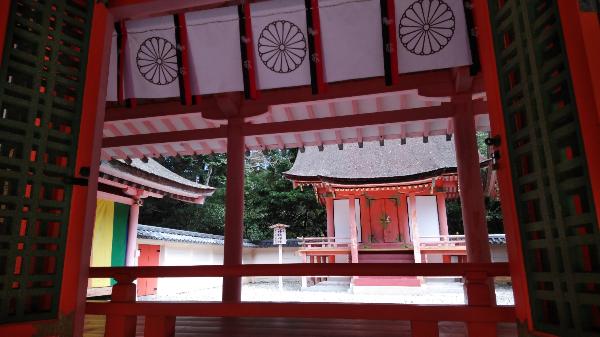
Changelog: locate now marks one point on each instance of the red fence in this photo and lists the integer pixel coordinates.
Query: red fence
(480, 314)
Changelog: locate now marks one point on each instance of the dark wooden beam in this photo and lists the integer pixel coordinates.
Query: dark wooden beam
(220, 106)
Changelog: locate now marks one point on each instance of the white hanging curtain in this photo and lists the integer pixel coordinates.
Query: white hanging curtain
(214, 51)
(432, 34)
(111, 90)
(280, 43)
(351, 38)
(151, 68)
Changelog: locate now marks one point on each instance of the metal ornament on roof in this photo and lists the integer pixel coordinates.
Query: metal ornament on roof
(282, 46)
(157, 61)
(426, 27)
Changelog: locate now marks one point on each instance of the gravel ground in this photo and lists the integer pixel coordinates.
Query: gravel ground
(428, 293)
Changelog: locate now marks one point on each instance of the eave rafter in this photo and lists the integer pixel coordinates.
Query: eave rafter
(294, 127)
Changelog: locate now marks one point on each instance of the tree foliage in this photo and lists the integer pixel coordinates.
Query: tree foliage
(269, 198)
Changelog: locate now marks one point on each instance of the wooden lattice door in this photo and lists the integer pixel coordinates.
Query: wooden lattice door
(553, 197)
(47, 134)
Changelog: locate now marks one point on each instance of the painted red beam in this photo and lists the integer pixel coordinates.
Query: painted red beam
(165, 137)
(338, 122)
(460, 313)
(134, 9)
(301, 269)
(432, 83)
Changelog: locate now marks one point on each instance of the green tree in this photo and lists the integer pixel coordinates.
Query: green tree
(269, 197)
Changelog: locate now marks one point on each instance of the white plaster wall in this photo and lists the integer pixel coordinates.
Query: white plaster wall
(341, 219)
(499, 253)
(427, 216)
(183, 254)
(270, 255)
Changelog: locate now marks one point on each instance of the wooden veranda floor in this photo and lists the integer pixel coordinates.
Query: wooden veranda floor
(305, 327)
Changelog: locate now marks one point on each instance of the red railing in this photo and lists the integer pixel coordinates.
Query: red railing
(324, 242)
(480, 314)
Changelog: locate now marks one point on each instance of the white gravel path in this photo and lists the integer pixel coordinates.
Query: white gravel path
(428, 293)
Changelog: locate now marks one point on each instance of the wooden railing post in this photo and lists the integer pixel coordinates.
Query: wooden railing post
(479, 292)
(424, 329)
(159, 326)
(122, 325)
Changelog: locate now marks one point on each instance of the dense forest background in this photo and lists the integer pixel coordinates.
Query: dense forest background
(269, 198)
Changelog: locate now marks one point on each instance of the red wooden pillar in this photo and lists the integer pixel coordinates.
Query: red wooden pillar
(121, 325)
(424, 329)
(83, 199)
(580, 33)
(4, 12)
(365, 218)
(353, 230)
(469, 180)
(442, 217)
(479, 290)
(414, 222)
(132, 226)
(330, 223)
(509, 211)
(234, 209)
(403, 219)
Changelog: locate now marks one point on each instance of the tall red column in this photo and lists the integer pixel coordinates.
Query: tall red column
(469, 182)
(330, 223)
(234, 209)
(134, 214)
(353, 230)
(478, 287)
(440, 198)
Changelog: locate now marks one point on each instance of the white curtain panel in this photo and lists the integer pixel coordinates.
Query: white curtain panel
(280, 43)
(432, 34)
(351, 39)
(214, 51)
(151, 69)
(111, 90)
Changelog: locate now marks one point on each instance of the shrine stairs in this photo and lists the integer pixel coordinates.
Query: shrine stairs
(380, 257)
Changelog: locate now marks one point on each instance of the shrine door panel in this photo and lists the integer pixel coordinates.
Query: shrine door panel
(42, 76)
(377, 210)
(149, 256)
(389, 221)
(552, 190)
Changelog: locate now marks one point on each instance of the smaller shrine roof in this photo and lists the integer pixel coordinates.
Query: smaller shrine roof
(151, 176)
(393, 162)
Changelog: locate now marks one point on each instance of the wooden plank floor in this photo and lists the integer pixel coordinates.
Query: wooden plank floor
(305, 327)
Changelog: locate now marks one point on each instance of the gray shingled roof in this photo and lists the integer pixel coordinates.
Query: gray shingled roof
(151, 170)
(177, 235)
(497, 239)
(392, 162)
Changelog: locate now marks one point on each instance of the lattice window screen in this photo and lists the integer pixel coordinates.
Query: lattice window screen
(558, 224)
(41, 88)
